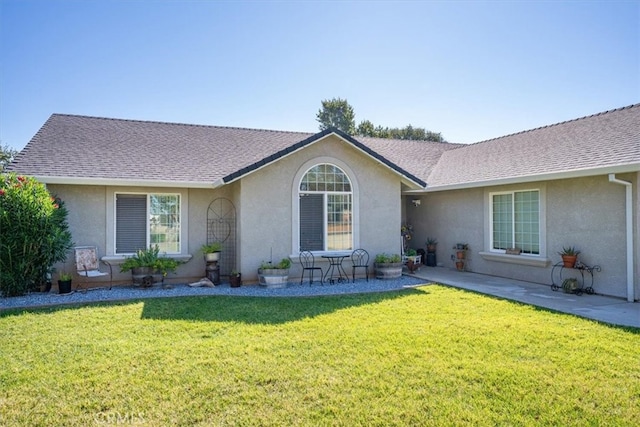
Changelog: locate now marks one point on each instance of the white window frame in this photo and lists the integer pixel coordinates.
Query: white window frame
(111, 216)
(490, 254)
(295, 192)
(513, 212)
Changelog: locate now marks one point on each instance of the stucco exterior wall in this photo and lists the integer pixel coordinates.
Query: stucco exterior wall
(264, 201)
(268, 198)
(91, 219)
(588, 213)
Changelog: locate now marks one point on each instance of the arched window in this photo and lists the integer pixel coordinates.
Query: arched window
(326, 209)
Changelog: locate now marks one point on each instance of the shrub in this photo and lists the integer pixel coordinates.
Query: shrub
(284, 264)
(384, 258)
(34, 234)
(150, 258)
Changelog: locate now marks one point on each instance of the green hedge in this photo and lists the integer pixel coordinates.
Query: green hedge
(34, 234)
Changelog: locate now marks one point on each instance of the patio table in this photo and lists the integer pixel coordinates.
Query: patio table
(335, 265)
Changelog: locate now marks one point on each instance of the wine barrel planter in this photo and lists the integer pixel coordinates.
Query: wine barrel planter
(391, 270)
(141, 276)
(273, 277)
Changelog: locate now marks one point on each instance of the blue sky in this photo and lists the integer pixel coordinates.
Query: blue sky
(473, 70)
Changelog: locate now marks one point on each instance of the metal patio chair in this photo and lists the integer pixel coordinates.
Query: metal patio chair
(360, 259)
(88, 264)
(308, 262)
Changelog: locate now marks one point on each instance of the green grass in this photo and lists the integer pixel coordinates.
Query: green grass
(430, 356)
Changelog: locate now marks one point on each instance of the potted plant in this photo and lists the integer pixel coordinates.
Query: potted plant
(274, 275)
(148, 267)
(211, 251)
(431, 244)
(569, 256)
(461, 249)
(388, 266)
(64, 283)
(570, 285)
(235, 279)
(412, 260)
(412, 255)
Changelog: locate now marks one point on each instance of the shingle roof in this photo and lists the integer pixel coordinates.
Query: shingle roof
(86, 148)
(606, 140)
(94, 148)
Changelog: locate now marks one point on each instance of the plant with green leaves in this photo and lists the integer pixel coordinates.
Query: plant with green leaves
(337, 113)
(150, 258)
(385, 258)
(34, 234)
(284, 264)
(65, 277)
(569, 250)
(211, 248)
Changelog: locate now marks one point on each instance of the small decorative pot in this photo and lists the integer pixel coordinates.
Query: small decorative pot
(460, 265)
(213, 256)
(64, 286)
(569, 260)
(235, 280)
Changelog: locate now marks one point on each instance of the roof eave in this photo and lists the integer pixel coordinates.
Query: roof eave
(126, 182)
(551, 176)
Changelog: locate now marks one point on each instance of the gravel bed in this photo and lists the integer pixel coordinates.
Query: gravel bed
(117, 293)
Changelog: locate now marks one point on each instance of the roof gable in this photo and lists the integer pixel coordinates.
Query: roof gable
(316, 138)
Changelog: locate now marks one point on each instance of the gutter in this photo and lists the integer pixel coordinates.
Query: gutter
(629, 226)
(127, 182)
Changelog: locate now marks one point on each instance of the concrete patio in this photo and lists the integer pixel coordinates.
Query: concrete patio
(611, 310)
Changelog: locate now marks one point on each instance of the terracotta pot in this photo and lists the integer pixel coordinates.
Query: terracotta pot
(460, 265)
(460, 254)
(569, 260)
(431, 248)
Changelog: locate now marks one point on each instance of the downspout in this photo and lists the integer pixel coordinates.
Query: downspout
(629, 217)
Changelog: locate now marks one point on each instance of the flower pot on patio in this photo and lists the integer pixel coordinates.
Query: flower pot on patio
(569, 261)
(273, 277)
(145, 276)
(390, 270)
(64, 286)
(235, 280)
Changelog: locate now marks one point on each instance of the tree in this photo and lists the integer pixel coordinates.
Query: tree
(366, 128)
(337, 113)
(7, 154)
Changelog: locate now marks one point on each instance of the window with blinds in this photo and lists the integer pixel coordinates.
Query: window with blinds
(147, 219)
(326, 210)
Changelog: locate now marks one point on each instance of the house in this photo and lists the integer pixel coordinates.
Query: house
(269, 194)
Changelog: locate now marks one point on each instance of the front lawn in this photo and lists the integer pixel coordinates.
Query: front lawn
(430, 356)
